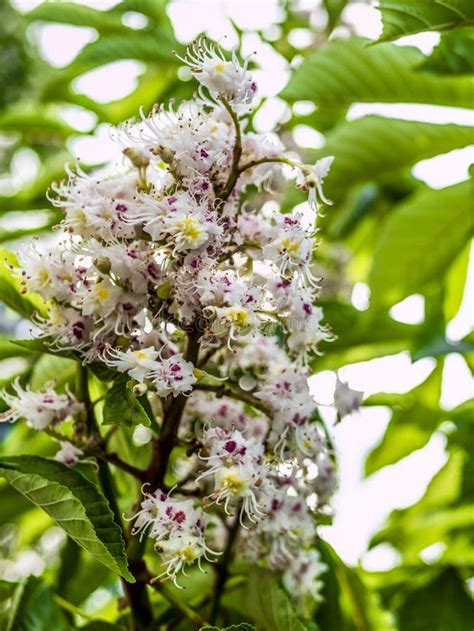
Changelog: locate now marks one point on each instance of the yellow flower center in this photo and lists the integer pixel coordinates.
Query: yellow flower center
(43, 275)
(239, 317)
(190, 229)
(219, 68)
(102, 292)
(140, 354)
(188, 554)
(233, 483)
(290, 246)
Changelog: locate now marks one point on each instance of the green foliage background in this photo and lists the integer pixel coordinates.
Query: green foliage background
(401, 237)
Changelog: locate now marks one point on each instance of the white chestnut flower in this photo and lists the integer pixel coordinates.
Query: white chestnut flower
(40, 409)
(173, 376)
(227, 79)
(178, 529)
(68, 454)
(311, 177)
(138, 363)
(302, 575)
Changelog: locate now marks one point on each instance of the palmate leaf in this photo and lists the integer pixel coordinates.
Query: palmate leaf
(373, 146)
(74, 503)
(406, 17)
(419, 241)
(453, 55)
(33, 608)
(348, 71)
(442, 605)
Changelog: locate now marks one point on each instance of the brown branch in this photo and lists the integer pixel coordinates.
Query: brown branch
(236, 154)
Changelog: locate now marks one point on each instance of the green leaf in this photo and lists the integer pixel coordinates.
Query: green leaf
(440, 515)
(53, 368)
(74, 503)
(8, 348)
(406, 17)
(154, 46)
(243, 626)
(348, 604)
(33, 608)
(453, 55)
(77, 15)
(442, 605)
(419, 241)
(455, 282)
(349, 71)
(373, 146)
(122, 408)
(334, 8)
(100, 625)
(6, 589)
(35, 124)
(266, 602)
(11, 290)
(415, 416)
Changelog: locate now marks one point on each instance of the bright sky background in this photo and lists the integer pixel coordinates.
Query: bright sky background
(362, 504)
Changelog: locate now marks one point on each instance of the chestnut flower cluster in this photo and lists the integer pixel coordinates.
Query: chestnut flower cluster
(207, 304)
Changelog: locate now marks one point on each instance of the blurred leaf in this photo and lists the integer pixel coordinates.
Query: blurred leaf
(360, 335)
(439, 516)
(453, 55)
(8, 348)
(368, 148)
(348, 604)
(243, 626)
(265, 602)
(79, 574)
(348, 71)
(455, 281)
(77, 15)
(13, 503)
(100, 625)
(56, 369)
(415, 416)
(406, 17)
(442, 605)
(11, 290)
(121, 406)
(36, 125)
(33, 608)
(334, 9)
(433, 221)
(74, 503)
(153, 47)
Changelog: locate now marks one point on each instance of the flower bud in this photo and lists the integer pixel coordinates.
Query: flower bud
(139, 389)
(137, 158)
(163, 291)
(103, 264)
(166, 154)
